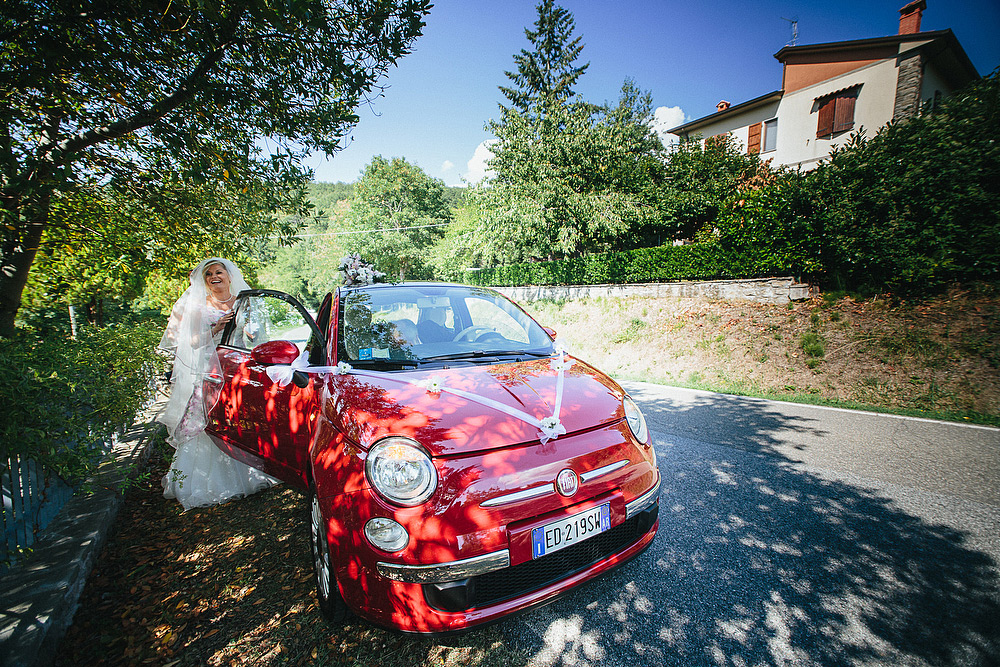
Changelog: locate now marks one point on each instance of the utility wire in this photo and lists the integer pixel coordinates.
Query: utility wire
(362, 231)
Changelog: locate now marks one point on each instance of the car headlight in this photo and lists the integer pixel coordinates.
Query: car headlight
(386, 534)
(636, 422)
(401, 472)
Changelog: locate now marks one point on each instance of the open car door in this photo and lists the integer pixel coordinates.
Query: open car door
(250, 417)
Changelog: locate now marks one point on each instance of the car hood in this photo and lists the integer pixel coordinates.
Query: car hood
(476, 408)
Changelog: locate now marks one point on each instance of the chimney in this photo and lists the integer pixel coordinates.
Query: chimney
(909, 17)
(722, 106)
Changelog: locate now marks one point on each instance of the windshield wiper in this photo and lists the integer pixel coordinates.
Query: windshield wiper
(520, 353)
(381, 363)
(475, 354)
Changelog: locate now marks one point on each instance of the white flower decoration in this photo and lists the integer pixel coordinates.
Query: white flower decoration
(551, 428)
(342, 368)
(549, 423)
(355, 271)
(432, 385)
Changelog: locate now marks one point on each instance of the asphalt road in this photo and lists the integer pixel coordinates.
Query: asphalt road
(795, 535)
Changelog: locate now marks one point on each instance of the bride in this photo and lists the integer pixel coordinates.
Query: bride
(202, 474)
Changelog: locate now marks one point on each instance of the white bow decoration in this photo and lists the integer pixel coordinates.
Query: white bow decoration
(281, 374)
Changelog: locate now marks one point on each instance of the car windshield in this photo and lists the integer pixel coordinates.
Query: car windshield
(402, 326)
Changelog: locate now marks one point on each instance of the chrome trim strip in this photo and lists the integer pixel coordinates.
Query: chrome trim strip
(442, 572)
(533, 492)
(603, 470)
(643, 501)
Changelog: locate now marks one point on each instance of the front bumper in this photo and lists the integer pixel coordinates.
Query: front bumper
(444, 572)
(476, 566)
(548, 576)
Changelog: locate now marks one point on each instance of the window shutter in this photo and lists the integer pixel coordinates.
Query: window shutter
(844, 116)
(826, 113)
(753, 139)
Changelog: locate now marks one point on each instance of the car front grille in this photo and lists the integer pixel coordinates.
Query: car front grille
(511, 582)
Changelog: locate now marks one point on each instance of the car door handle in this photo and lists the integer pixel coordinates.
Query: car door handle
(213, 379)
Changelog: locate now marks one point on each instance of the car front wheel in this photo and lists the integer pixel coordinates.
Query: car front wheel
(330, 602)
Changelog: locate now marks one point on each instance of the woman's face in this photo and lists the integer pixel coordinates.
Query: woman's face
(217, 278)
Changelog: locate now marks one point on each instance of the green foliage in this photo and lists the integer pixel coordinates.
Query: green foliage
(813, 344)
(64, 399)
(702, 261)
(452, 255)
(104, 245)
(578, 179)
(631, 332)
(326, 196)
(546, 74)
(159, 108)
(702, 181)
(926, 194)
(570, 177)
(455, 196)
(408, 206)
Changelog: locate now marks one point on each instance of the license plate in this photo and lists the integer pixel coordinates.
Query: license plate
(567, 532)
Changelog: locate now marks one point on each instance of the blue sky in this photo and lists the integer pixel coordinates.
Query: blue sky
(688, 55)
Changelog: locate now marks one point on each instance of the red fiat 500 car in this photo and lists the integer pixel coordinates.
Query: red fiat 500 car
(459, 466)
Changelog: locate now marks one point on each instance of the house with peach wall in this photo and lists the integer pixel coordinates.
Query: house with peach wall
(831, 91)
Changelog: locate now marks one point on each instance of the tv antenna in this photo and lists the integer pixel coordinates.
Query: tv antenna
(795, 29)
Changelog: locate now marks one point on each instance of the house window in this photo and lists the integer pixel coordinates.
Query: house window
(836, 112)
(770, 135)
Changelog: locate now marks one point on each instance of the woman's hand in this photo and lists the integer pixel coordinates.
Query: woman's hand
(221, 324)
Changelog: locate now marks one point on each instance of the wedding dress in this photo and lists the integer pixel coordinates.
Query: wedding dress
(201, 473)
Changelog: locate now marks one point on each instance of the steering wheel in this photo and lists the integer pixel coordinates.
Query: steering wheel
(491, 336)
(464, 333)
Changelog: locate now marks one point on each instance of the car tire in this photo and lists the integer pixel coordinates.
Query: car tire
(330, 602)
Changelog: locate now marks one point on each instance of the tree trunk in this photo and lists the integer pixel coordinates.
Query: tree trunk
(72, 321)
(15, 265)
(26, 205)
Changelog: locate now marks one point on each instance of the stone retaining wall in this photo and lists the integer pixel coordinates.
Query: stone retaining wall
(765, 290)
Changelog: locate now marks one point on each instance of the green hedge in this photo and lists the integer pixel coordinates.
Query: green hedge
(703, 261)
(64, 398)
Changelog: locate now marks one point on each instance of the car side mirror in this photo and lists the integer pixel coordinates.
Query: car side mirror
(550, 331)
(275, 352)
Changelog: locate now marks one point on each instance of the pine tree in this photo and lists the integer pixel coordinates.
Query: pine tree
(546, 74)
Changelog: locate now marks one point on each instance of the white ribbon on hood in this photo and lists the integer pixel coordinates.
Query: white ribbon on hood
(549, 428)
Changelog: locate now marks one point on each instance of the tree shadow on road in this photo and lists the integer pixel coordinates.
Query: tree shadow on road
(758, 561)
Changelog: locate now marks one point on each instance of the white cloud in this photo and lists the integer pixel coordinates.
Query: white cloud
(665, 118)
(476, 167)
(447, 166)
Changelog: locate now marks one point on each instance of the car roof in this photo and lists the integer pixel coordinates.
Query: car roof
(411, 283)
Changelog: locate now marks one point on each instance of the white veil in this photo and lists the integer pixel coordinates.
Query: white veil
(189, 336)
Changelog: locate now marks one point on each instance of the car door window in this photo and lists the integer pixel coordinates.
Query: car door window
(266, 317)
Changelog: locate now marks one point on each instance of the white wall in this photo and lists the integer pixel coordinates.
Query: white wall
(798, 113)
(738, 126)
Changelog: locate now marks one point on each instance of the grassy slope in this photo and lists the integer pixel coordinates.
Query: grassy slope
(938, 357)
